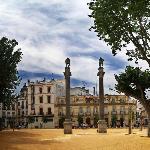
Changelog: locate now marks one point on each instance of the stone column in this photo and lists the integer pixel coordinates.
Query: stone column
(102, 125)
(67, 123)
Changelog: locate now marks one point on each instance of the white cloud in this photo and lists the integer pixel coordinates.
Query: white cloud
(48, 31)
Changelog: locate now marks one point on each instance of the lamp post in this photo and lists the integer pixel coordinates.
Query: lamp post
(67, 123)
(102, 127)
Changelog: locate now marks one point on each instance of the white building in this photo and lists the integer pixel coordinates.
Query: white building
(79, 91)
(36, 103)
(9, 115)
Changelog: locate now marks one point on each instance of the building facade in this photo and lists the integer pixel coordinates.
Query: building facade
(36, 103)
(85, 109)
(8, 115)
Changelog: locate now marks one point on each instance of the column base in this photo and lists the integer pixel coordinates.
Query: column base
(102, 126)
(67, 126)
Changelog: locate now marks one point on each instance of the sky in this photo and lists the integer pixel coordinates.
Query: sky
(49, 31)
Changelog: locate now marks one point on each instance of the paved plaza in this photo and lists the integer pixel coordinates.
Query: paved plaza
(81, 139)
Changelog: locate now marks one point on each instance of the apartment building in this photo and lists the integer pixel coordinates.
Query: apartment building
(85, 109)
(36, 103)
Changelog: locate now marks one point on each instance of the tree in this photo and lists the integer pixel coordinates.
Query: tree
(80, 120)
(120, 23)
(134, 82)
(9, 79)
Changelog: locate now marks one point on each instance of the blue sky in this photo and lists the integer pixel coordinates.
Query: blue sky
(49, 31)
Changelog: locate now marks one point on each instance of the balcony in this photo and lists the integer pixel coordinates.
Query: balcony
(87, 113)
(114, 112)
(81, 113)
(95, 113)
(49, 114)
(122, 112)
(106, 112)
(32, 113)
(41, 113)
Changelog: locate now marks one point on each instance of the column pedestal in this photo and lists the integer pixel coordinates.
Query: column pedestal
(102, 126)
(67, 126)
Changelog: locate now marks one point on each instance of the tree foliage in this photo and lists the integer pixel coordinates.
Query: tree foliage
(135, 82)
(122, 23)
(10, 56)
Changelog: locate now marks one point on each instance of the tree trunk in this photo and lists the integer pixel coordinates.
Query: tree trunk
(141, 124)
(0, 124)
(148, 132)
(130, 126)
(13, 126)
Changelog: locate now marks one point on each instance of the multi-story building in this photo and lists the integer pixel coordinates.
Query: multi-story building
(9, 115)
(22, 107)
(85, 109)
(36, 103)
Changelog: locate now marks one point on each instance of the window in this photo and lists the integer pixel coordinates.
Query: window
(3, 114)
(48, 89)
(8, 107)
(22, 106)
(18, 103)
(122, 108)
(13, 107)
(32, 99)
(8, 113)
(49, 111)
(95, 110)
(113, 108)
(80, 110)
(19, 112)
(113, 101)
(41, 111)
(48, 99)
(22, 113)
(88, 110)
(41, 99)
(40, 90)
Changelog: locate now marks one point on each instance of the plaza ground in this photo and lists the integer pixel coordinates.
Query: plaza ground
(81, 139)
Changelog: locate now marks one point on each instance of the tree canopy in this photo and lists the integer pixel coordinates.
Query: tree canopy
(134, 82)
(123, 23)
(10, 56)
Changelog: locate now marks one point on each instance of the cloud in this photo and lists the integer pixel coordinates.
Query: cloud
(49, 31)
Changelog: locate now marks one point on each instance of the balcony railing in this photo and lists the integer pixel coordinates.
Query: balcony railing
(49, 113)
(33, 113)
(122, 112)
(87, 113)
(81, 113)
(106, 112)
(114, 112)
(41, 113)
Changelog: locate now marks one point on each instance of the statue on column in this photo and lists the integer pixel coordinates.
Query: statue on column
(68, 122)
